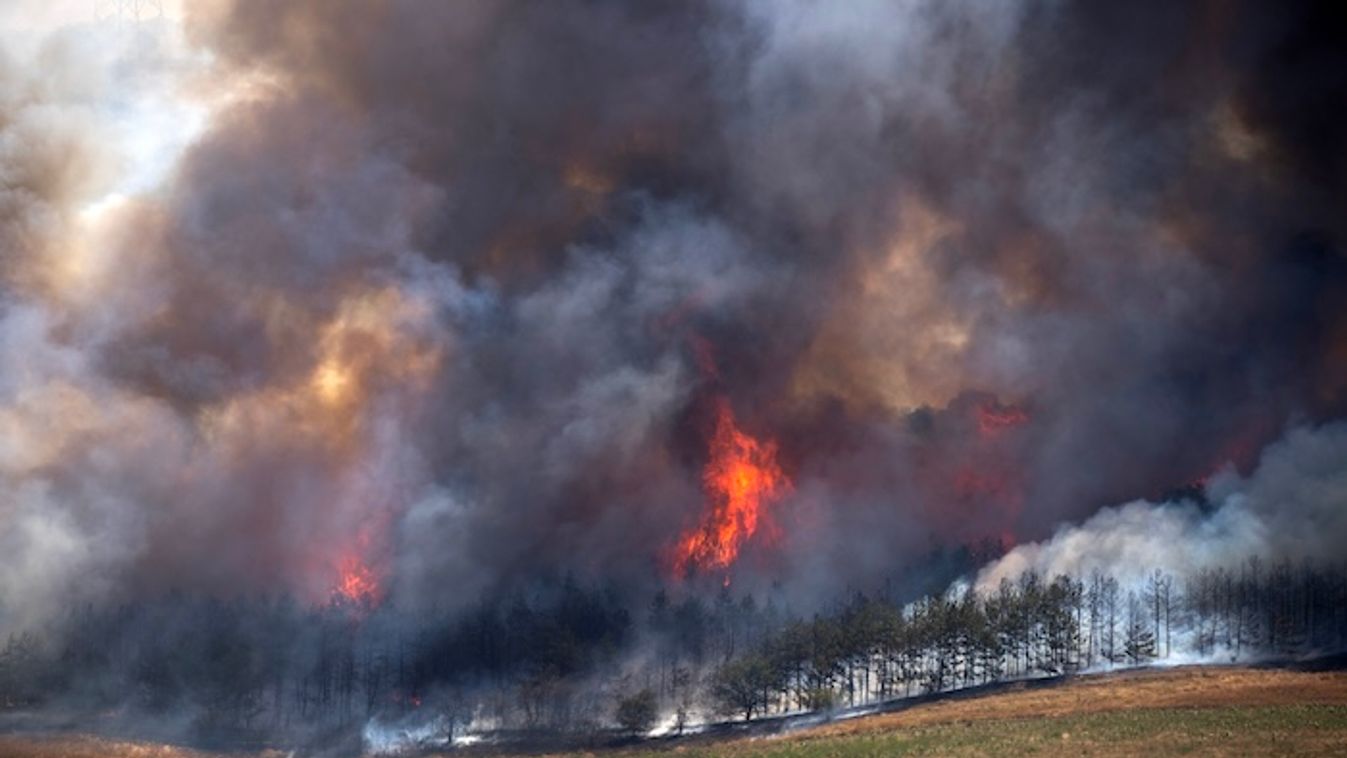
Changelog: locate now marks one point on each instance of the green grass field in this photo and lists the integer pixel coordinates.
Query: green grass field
(1271, 730)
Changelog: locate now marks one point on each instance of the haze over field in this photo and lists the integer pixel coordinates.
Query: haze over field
(410, 308)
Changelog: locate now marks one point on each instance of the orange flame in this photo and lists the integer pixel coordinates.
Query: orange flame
(741, 478)
(356, 582)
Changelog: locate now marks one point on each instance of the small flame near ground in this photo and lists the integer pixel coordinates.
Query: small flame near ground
(741, 479)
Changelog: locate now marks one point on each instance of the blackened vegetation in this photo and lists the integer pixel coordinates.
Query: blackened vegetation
(576, 660)
(262, 669)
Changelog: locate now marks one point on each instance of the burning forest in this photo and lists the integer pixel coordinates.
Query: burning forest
(384, 373)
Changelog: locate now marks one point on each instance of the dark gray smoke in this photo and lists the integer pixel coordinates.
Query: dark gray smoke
(444, 294)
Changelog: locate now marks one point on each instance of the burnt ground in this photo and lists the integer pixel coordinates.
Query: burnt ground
(1246, 694)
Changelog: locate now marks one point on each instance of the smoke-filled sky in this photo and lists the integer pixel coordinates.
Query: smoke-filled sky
(453, 298)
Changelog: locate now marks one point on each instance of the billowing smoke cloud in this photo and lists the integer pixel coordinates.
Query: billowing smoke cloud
(441, 298)
(1290, 509)
(68, 520)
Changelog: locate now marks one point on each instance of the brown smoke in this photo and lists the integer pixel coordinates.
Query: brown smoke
(416, 304)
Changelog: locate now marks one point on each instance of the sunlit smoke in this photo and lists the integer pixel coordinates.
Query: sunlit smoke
(279, 317)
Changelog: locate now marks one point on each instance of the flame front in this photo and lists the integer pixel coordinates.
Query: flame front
(356, 582)
(741, 479)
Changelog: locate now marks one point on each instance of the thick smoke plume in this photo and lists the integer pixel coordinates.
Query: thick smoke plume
(413, 302)
(1289, 510)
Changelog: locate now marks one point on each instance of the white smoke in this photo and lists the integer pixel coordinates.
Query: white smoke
(92, 115)
(1293, 506)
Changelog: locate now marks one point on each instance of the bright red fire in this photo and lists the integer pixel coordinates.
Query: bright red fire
(741, 479)
(359, 581)
(356, 582)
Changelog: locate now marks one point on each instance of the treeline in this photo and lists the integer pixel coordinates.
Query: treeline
(258, 667)
(580, 659)
(556, 658)
(268, 666)
(874, 650)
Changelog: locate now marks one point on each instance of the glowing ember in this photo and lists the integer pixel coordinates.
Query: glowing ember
(994, 418)
(741, 478)
(356, 582)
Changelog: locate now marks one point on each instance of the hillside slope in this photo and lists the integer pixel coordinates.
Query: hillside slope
(1190, 710)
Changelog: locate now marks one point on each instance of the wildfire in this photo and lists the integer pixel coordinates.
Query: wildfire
(356, 582)
(741, 479)
(994, 418)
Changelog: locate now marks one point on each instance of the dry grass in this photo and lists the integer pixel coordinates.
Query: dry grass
(1187, 687)
(84, 746)
(1313, 730)
(1190, 711)
(1182, 711)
